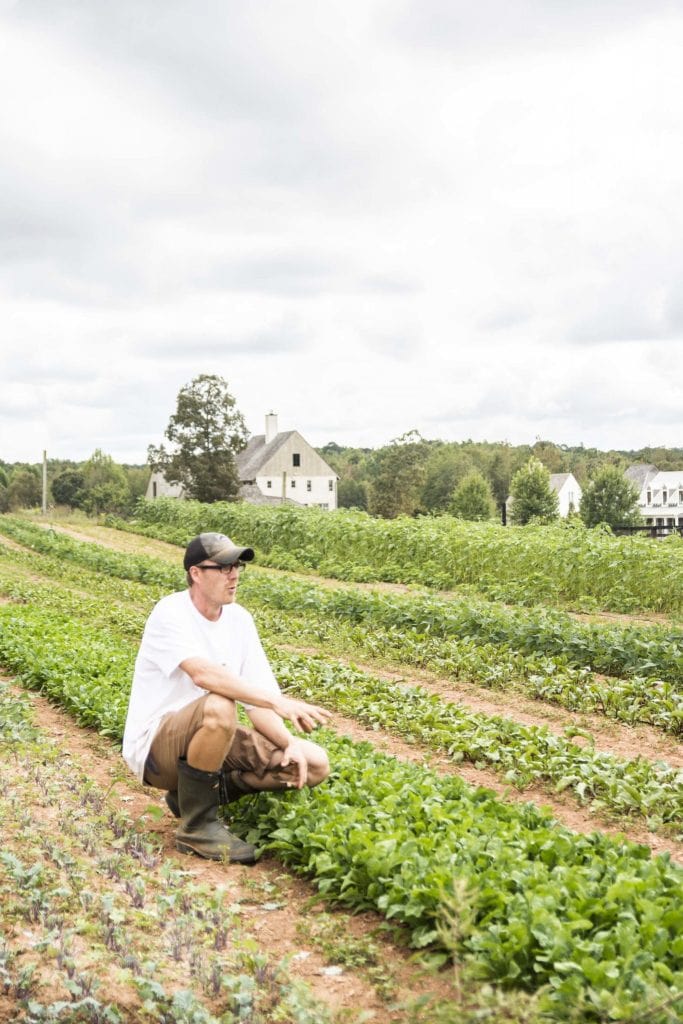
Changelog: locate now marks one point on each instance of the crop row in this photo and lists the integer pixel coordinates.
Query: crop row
(523, 754)
(596, 920)
(98, 634)
(176, 947)
(545, 654)
(556, 564)
(614, 649)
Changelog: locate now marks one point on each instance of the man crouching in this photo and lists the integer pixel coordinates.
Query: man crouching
(200, 654)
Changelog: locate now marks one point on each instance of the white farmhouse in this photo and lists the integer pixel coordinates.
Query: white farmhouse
(273, 468)
(661, 494)
(159, 487)
(283, 466)
(568, 491)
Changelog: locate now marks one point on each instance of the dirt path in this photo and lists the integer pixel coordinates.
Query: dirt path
(276, 922)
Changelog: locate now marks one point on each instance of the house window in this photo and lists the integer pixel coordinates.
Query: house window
(330, 485)
(296, 459)
(680, 496)
(665, 496)
(649, 497)
(154, 489)
(293, 483)
(269, 484)
(308, 485)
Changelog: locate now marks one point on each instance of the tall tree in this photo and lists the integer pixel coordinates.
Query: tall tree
(610, 498)
(105, 485)
(473, 498)
(444, 468)
(397, 476)
(69, 488)
(205, 433)
(532, 495)
(25, 489)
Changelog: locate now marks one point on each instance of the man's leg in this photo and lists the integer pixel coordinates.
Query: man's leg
(198, 738)
(253, 765)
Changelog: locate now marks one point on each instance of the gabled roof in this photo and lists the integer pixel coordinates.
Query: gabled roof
(250, 460)
(558, 479)
(640, 473)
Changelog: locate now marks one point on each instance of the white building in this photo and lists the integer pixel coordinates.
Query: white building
(273, 468)
(568, 491)
(159, 487)
(284, 467)
(661, 494)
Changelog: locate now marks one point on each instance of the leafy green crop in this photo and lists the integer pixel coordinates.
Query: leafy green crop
(564, 563)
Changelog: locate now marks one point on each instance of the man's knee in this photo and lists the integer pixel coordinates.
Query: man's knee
(219, 714)
(318, 765)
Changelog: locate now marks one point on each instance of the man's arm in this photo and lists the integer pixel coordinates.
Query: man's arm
(290, 748)
(217, 679)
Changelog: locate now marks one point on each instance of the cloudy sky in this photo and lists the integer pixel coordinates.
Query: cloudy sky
(369, 216)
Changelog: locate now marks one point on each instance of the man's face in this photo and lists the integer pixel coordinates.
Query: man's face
(216, 583)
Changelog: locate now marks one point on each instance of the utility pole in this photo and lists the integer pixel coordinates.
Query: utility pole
(44, 482)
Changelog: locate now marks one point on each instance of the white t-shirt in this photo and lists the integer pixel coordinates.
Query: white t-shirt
(174, 631)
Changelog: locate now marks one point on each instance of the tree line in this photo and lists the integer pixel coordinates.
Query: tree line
(411, 475)
(474, 479)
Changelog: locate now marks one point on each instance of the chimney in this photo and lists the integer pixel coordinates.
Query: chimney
(271, 426)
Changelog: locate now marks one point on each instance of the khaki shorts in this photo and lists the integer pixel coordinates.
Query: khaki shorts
(250, 751)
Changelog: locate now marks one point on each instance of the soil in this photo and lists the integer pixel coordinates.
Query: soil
(275, 926)
(278, 929)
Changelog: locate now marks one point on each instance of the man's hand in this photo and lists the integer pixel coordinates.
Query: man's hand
(293, 754)
(302, 715)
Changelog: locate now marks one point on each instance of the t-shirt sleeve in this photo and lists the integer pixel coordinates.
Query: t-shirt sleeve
(255, 666)
(167, 641)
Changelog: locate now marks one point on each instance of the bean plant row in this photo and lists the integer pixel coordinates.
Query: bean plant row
(95, 645)
(547, 654)
(562, 564)
(94, 900)
(592, 923)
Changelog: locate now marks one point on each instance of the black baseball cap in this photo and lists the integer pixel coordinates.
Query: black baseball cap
(217, 547)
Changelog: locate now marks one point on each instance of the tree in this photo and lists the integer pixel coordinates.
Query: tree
(105, 487)
(25, 489)
(444, 469)
(473, 498)
(205, 433)
(352, 494)
(532, 495)
(69, 488)
(397, 476)
(610, 498)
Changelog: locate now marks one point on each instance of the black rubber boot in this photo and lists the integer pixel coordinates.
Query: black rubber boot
(171, 799)
(231, 788)
(200, 831)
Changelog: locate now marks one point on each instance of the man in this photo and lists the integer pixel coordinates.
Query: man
(200, 654)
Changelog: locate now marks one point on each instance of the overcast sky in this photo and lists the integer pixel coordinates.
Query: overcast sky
(369, 216)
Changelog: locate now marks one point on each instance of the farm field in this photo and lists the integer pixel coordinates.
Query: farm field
(517, 815)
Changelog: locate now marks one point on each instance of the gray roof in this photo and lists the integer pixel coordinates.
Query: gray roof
(640, 473)
(557, 479)
(257, 452)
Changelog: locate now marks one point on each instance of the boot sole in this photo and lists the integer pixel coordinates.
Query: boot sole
(245, 859)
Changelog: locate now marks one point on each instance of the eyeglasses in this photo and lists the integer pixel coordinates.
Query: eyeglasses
(225, 569)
